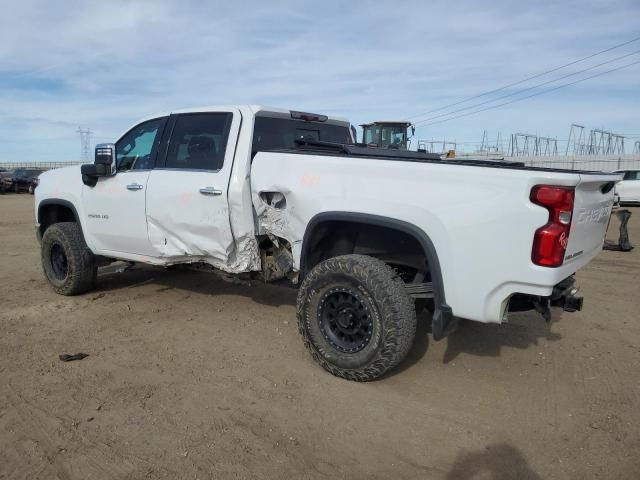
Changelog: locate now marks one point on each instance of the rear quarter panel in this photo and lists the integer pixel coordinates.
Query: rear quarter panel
(479, 219)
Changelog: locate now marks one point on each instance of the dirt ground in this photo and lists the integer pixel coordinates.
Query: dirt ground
(190, 376)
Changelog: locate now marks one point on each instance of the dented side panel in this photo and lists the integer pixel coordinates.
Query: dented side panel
(183, 222)
(480, 220)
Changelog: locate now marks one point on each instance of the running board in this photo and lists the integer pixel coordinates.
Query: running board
(419, 290)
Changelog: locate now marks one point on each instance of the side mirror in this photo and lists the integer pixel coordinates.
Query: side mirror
(106, 155)
(104, 165)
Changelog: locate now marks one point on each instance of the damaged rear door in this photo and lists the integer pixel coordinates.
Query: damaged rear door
(187, 205)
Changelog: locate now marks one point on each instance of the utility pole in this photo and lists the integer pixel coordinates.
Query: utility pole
(85, 144)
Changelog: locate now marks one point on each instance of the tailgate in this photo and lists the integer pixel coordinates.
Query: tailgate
(591, 211)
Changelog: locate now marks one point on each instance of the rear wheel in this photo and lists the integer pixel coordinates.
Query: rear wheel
(355, 317)
(67, 262)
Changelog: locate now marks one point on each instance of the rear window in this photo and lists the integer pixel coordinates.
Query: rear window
(281, 133)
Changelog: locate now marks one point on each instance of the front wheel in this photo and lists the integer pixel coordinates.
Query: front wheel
(67, 262)
(355, 317)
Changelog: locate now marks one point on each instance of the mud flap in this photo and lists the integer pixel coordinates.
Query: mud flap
(443, 322)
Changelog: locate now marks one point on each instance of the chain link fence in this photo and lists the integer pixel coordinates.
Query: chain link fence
(38, 165)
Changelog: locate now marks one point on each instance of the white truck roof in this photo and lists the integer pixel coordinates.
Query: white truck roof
(254, 109)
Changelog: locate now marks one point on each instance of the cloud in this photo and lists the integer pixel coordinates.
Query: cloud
(104, 65)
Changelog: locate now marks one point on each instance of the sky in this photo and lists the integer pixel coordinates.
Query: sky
(105, 65)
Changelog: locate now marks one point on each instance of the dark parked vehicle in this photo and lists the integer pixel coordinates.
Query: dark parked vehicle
(25, 179)
(5, 180)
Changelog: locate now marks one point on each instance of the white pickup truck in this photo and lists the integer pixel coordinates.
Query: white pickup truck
(366, 233)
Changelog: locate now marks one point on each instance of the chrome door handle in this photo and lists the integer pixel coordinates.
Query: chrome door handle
(134, 186)
(210, 191)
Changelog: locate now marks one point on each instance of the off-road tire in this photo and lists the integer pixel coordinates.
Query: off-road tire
(81, 270)
(389, 308)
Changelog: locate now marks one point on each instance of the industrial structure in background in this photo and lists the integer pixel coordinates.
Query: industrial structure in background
(599, 142)
(526, 145)
(596, 149)
(85, 144)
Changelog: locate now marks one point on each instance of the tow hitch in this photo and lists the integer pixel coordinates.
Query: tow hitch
(564, 295)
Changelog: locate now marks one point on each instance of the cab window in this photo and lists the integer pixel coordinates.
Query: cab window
(134, 151)
(199, 141)
(371, 134)
(632, 175)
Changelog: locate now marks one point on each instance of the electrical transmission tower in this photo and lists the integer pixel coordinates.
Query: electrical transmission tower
(85, 144)
(602, 142)
(499, 142)
(546, 146)
(596, 142)
(575, 144)
(485, 147)
(530, 145)
(523, 145)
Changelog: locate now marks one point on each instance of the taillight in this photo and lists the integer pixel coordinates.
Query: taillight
(550, 241)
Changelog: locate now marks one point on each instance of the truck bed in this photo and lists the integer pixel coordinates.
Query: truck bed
(478, 216)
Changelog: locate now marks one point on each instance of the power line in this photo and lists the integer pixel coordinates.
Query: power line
(528, 78)
(528, 96)
(517, 92)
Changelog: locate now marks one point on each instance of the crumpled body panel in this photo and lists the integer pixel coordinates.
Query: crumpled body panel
(186, 226)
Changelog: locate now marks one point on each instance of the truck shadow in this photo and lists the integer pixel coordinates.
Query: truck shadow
(195, 282)
(496, 462)
(487, 340)
(471, 337)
